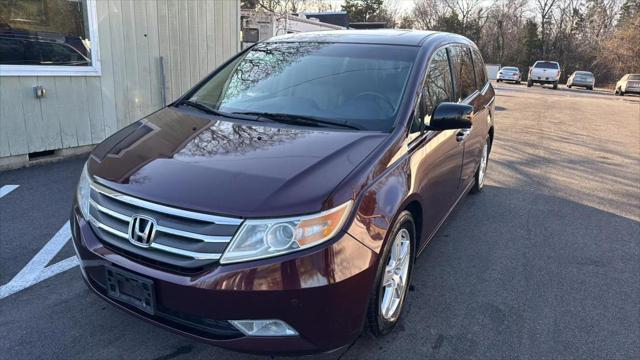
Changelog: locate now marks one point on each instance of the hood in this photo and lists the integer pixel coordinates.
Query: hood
(239, 168)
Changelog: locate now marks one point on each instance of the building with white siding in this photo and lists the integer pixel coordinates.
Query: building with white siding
(72, 72)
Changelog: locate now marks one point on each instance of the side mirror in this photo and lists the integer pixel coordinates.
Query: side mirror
(451, 116)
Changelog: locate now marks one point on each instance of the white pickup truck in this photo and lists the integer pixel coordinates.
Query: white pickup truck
(544, 72)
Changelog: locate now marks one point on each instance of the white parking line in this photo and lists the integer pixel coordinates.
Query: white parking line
(37, 270)
(7, 189)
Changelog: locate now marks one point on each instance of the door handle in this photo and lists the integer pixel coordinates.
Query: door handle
(462, 134)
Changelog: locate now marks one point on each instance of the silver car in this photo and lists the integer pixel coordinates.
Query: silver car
(629, 83)
(583, 79)
(509, 73)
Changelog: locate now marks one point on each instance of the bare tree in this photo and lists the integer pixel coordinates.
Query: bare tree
(545, 11)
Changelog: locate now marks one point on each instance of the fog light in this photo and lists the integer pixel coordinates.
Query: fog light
(264, 327)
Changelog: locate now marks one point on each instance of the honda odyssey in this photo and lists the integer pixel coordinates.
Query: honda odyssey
(279, 205)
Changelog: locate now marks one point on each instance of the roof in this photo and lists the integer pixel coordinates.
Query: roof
(381, 36)
(335, 18)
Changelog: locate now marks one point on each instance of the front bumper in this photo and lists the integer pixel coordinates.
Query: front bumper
(321, 292)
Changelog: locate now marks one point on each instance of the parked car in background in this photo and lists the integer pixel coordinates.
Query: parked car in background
(32, 50)
(583, 79)
(629, 83)
(509, 73)
(279, 205)
(544, 72)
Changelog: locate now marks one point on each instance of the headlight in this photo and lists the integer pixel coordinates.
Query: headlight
(84, 191)
(259, 239)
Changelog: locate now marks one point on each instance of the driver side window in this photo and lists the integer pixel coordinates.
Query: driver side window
(438, 86)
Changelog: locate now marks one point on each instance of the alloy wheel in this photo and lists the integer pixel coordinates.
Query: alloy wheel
(396, 274)
(483, 165)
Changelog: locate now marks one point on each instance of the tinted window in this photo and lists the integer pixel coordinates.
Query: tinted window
(478, 63)
(634, 77)
(463, 71)
(437, 87)
(546, 65)
(510, 69)
(358, 84)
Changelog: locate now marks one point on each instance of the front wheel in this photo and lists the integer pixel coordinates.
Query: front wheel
(393, 276)
(518, 82)
(482, 168)
(555, 85)
(529, 84)
(569, 86)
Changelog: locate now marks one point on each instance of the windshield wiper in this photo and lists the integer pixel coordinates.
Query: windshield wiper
(297, 119)
(209, 110)
(202, 107)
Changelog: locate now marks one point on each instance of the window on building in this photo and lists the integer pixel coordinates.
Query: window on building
(47, 37)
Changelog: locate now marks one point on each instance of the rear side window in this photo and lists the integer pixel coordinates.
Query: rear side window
(478, 64)
(463, 71)
(546, 65)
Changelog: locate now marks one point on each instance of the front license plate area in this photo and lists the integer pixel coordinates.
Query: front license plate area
(130, 289)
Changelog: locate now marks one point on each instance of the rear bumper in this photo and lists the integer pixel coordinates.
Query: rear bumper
(543, 81)
(508, 78)
(322, 293)
(582, 83)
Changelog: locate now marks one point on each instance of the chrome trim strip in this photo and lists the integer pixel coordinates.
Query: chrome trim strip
(109, 212)
(109, 229)
(194, 236)
(164, 209)
(191, 254)
(168, 249)
(164, 229)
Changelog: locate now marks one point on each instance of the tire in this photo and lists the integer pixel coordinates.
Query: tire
(379, 323)
(482, 168)
(529, 84)
(555, 85)
(621, 93)
(590, 88)
(498, 80)
(569, 86)
(616, 92)
(518, 82)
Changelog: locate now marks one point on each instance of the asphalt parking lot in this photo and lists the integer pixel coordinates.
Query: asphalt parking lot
(545, 263)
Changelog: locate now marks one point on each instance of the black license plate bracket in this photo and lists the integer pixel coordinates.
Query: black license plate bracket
(130, 289)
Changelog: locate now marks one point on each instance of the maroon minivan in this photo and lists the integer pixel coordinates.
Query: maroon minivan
(279, 205)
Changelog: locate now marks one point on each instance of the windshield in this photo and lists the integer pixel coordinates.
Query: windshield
(510, 69)
(356, 84)
(546, 65)
(634, 77)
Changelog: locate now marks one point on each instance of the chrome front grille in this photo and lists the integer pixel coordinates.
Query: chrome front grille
(183, 238)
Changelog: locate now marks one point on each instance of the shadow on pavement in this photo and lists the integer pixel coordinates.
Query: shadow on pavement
(518, 274)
